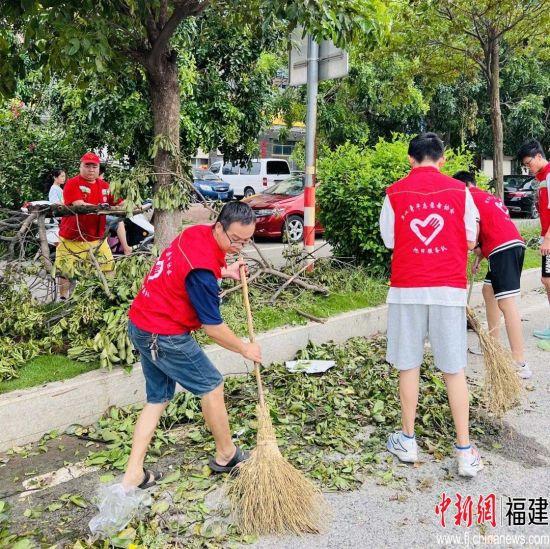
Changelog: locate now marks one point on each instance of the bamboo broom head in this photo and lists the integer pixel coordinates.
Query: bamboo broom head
(502, 387)
(270, 496)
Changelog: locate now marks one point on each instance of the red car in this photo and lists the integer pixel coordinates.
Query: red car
(280, 210)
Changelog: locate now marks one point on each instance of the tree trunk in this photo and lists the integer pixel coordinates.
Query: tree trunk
(496, 117)
(165, 104)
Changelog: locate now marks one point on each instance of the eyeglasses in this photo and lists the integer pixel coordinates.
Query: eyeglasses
(239, 242)
(528, 162)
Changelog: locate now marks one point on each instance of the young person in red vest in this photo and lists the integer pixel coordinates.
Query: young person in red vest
(430, 222)
(531, 155)
(501, 244)
(178, 296)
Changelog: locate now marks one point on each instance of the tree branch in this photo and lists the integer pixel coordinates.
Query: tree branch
(184, 9)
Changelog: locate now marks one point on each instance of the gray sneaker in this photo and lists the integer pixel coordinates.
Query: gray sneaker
(524, 372)
(403, 447)
(468, 461)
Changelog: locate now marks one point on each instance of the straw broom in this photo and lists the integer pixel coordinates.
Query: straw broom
(270, 496)
(502, 387)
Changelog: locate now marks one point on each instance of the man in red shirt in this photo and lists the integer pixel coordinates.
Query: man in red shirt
(178, 296)
(81, 235)
(531, 155)
(501, 244)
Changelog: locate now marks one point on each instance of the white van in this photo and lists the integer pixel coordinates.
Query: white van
(253, 178)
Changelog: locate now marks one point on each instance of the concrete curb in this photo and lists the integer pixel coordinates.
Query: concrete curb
(27, 414)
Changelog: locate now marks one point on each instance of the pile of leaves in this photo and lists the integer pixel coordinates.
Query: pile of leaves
(92, 326)
(331, 426)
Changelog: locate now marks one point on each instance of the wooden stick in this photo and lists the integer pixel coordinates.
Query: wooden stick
(297, 281)
(251, 334)
(60, 210)
(44, 247)
(100, 274)
(290, 280)
(310, 316)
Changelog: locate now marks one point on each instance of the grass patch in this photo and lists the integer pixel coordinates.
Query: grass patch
(532, 259)
(44, 369)
(350, 289)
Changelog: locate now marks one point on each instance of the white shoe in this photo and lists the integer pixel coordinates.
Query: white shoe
(403, 447)
(524, 372)
(469, 462)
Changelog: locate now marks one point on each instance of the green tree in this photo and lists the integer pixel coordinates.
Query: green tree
(477, 38)
(101, 39)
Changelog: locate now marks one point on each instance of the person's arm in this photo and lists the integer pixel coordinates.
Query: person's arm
(471, 221)
(73, 195)
(81, 203)
(387, 223)
(203, 291)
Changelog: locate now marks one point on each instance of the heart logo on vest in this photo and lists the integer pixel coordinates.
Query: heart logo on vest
(434, 225)
(157, 269)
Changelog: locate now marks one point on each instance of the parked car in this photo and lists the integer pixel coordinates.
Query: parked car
(253, 178)
(280, 211)
(520, 194)
(212, 186)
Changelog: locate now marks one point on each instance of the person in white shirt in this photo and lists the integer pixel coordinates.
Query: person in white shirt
(55, 194)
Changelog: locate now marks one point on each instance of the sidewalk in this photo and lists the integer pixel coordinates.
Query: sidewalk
(399, 512)
(404, 515)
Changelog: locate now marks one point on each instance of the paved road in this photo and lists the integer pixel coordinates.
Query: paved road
(273, 251)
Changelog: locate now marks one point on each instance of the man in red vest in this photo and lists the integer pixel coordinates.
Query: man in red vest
(501, 244)
(531, 155)
(81, 234)
(178, 296)
(430, 222)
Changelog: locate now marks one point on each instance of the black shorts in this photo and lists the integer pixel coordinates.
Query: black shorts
(545, 266)
(504, 272)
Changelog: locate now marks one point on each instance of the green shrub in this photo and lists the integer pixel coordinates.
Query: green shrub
(352, 184)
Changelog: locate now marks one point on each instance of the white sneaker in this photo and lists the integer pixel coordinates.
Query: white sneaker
(524, 372)
(403, 447)
(469, 461)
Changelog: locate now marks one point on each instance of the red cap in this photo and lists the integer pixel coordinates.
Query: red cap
(90, 158)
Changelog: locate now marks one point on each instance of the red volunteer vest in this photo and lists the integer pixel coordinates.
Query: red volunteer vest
(430, 237)
(497, 231)
(162, 306)
(544, 207)
(85, 227)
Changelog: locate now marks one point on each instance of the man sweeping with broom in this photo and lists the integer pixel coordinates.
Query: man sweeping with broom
(501, 244)
(178, 296)
(430, 222)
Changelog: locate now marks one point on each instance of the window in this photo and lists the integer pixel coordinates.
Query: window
(230, 169)
(277, 167)
(253, 169)
(283, 150)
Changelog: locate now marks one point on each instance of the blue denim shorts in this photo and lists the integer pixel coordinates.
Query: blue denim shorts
(178, 359)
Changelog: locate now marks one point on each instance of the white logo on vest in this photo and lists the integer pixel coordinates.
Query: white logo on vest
(434, 222)
(156, 271)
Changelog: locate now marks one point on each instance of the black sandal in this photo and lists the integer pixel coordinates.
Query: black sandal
(239, 457)
(150, 478)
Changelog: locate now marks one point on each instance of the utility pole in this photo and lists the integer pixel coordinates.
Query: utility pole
(311, 128)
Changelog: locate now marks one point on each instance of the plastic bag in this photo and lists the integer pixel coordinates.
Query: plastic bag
(117, 507)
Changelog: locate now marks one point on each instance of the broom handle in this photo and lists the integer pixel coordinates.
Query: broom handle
(251, 335)
(471, 281)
